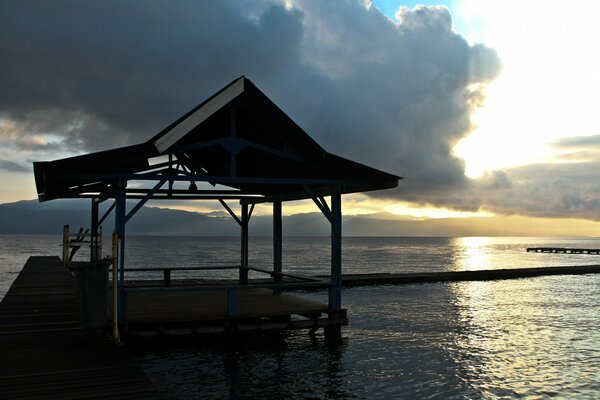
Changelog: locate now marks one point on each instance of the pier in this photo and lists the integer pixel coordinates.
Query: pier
(461, 276)
(47, 354)
(563, 250)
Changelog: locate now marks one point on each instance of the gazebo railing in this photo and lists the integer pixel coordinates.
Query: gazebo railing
(304, 281)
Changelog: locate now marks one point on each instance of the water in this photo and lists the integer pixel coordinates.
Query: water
(524, 338)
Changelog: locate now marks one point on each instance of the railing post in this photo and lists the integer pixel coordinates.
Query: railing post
(167, 277)
(65, 255)
(232, 302)
(115, 292)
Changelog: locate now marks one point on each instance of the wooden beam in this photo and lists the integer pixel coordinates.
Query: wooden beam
(237, 219)
(143, 201)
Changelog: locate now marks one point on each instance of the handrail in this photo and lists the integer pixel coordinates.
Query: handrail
(207, 268)
(167, 273)
(217, 287)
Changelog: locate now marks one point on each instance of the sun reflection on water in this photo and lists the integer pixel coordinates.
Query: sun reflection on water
(517, 334)
(472, 253)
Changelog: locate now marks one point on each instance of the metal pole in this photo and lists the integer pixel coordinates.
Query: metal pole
(115, 293)
(277, 243)
(244, 259)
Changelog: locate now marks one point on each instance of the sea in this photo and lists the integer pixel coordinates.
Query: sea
(522, 338)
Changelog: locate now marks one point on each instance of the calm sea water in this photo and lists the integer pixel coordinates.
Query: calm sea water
(524, 338)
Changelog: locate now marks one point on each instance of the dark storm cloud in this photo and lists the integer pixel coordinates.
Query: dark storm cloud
(397, 96)
(120, 71)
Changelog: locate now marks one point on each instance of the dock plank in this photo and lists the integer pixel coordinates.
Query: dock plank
(46, 354)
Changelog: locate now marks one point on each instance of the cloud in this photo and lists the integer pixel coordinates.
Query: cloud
(395, 95)
(578, 142)
(10, 166)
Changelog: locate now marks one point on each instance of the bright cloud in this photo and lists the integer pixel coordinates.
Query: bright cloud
(549, 87)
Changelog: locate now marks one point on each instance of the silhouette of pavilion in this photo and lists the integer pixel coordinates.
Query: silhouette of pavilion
(240, 143)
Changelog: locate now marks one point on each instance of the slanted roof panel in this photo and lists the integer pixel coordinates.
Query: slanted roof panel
(195, 117)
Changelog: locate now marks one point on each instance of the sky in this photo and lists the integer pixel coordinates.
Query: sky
(485, 107)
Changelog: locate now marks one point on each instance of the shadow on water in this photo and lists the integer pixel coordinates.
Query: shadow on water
(271, 366)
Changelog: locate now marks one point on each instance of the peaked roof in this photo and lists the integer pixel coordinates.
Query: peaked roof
(238, 137)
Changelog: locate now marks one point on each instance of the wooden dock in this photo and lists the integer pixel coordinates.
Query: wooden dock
(563, 250)
(351, 280)
(46, 354)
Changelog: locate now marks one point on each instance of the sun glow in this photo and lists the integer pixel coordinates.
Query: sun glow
(416, 211)
(549, 86)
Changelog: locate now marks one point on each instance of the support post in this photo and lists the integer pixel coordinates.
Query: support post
(244, 250)
(277, 243)
(94, 231)
(335, 291)
(120, 229)
(115, 293)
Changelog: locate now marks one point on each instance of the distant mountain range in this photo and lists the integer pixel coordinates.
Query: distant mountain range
(32, 217)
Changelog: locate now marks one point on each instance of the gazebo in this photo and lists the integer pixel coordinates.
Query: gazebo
(239, 146)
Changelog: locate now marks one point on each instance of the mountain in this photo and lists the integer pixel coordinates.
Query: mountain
(32, 217)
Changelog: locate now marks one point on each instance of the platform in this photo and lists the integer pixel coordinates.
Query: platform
(177, 312)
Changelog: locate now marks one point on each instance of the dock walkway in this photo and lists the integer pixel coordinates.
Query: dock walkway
(563, 250)
(46, 354)
(351, 280)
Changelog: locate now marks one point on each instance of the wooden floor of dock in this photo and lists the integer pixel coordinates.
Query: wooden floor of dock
(46, 354)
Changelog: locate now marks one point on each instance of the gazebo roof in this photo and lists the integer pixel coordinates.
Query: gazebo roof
(237, 138)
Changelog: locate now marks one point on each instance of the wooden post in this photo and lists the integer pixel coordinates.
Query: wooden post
(65, 255)
(335, 291)
(277, 243)
(120, 229)
(94, 231)
(243, 276)
(99, 244)
(232, 302)
(115, 293)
